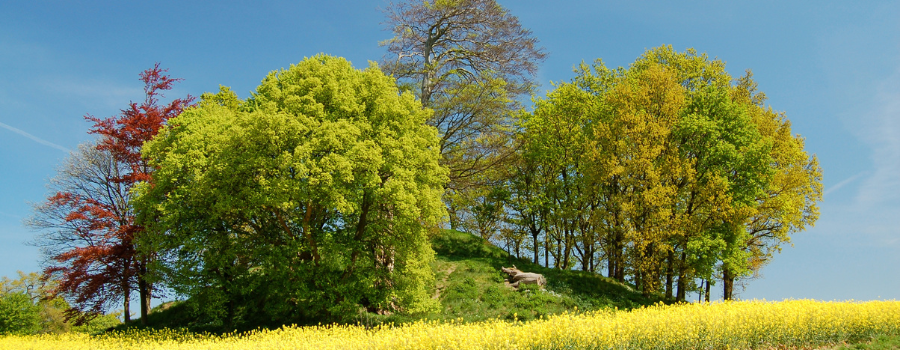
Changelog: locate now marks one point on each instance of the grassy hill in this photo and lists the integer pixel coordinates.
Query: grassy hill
(471, 287)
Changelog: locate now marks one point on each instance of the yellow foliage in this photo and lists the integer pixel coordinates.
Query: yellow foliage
(742, 325)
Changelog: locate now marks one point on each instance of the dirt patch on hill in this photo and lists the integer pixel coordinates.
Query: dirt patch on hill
(443, 282)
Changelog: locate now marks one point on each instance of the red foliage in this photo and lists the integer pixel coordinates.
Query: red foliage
(125, 134)
(103, 270)
(107, 268)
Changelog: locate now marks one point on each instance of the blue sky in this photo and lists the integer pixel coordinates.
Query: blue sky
(832, 67)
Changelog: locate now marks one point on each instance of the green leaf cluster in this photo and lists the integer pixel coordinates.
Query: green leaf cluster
(28, 305)
(18, 315)
(310, 200)
(666, 171)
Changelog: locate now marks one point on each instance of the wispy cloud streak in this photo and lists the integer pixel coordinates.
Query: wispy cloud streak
(35, 138)
(843, 183)
(882, 132)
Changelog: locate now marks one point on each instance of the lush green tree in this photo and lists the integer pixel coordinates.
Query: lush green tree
(527, 202)
(669, 170)
(18, 315)
(29, 305)
(309, 200)
(557, 135)
(469, 61)
(788, 203)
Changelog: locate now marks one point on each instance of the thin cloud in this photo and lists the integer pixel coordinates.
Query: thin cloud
(882, 132)
(35, 138)
(843, 183)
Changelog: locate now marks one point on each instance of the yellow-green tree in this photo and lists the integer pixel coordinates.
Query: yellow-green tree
(670, 167)
(556, 143)
(29, 304)
(789, 203)
(309, 200)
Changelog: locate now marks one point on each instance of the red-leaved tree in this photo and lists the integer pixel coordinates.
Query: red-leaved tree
(89, 222)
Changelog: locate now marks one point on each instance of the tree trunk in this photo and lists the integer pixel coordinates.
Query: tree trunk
(620, 270)
(682, 284)
(534, 237)
(558, 254)
(728, 284)
(707, 291)
(700, 291)
(591, 257)
(611, 262)
(669, 275)
(126, 311)
(546, 253)
(144, 291)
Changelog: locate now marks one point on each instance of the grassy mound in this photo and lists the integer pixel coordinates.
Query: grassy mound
(471, 287)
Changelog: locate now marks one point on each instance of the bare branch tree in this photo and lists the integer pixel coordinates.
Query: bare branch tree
(86, 235)
(470, 61)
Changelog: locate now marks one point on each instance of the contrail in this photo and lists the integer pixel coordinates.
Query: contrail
(843, 183)
(35, 138)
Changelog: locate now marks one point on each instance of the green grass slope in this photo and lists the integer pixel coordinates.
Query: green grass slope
(470, 285)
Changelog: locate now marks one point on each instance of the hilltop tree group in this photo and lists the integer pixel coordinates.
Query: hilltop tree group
(666, 172)
(314, 198)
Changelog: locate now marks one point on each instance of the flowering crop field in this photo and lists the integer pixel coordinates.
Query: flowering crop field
(742, 325)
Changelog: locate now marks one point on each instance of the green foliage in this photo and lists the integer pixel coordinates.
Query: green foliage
(667, 170)
(470, 287)
(29, 306)
(306, 202)
(475, 289)
(881, 342)
(99, 324)
(18, 315)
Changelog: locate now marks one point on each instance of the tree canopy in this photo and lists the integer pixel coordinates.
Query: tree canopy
(471, 62)
(668, 170)
(308, 200)
(88, 228)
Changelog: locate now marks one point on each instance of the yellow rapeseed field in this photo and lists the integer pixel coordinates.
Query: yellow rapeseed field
(747, 324)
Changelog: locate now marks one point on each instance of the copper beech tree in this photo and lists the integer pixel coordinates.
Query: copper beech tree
(88, 223)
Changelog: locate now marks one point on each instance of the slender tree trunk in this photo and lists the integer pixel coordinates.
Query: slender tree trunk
(620, 264)
(700, 291)
(144, 288)
(669, 274)
(534, 237)
(567, 251)
(707, 291)
(591, 257)
(558, 254)
(611, 261)
(126, 311)
(682, 284)
(144, 291)
(585, 257)
(546, 253)
(728, 284)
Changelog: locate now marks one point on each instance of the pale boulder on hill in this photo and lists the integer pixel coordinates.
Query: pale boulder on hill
(518, 277)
